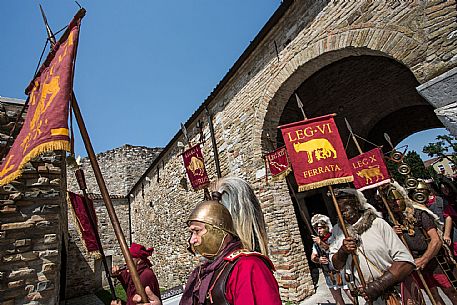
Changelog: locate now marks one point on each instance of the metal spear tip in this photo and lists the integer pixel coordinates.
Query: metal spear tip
(386, 136)
(184, 131)
(300, 104)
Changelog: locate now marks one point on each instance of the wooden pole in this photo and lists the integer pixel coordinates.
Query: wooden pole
(355, 258)
(213, 141)
(395, 221)
(107, 200)
(101, 182)
(83, 187)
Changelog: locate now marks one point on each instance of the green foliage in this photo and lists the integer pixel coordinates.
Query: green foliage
(416, 164)
(105, 295)
(445, 145)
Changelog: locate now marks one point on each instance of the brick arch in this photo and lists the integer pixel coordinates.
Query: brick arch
(324, 51)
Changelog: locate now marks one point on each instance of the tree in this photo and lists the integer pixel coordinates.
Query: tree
(445, 145)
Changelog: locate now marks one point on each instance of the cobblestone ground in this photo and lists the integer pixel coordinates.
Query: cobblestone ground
(321, 297)
(90, 299)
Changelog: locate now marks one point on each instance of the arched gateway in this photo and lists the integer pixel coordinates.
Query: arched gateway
(360, 59)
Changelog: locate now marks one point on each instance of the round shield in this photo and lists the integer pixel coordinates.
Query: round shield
(411, 182)
(420, 197)
(396, 156)
(404, 169)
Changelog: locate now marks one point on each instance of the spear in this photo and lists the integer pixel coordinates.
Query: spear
(213, 141)
(355, 258)
(389, 210)
(101, 182)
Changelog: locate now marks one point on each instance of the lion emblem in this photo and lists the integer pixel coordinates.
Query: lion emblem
(322, 149)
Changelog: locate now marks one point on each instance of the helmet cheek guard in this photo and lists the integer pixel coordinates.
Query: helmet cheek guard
(211, 242)
(218, 224)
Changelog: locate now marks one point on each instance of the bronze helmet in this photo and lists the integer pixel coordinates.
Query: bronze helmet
(395, 197)
(218, 223)
(214, 213)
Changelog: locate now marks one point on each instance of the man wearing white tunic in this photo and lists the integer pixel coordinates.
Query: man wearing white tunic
(384, 260)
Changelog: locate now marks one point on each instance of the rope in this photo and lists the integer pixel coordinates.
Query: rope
(363, 139)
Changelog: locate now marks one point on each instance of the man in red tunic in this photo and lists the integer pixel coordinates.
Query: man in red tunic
(143, 266)
(231, 275)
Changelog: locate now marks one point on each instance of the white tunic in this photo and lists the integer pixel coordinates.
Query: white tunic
(382, 247)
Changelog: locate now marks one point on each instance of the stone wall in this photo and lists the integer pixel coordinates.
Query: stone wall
(121, 168)
(421, 35)
(33, 225)
(85, 274)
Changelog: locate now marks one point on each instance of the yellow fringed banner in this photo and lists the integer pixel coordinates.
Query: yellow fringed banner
(45, 127)
(316, 153)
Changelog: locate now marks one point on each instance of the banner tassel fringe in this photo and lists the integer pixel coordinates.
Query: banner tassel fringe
(316, 185)
(42, 148)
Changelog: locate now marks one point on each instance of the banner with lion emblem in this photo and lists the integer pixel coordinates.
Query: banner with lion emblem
(45, 127)
(316, 153)
(369, 170)
(195, 167)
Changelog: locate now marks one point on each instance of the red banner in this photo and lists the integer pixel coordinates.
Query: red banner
(369, 170)
(316, 152)
(278, 163)
(45, 127)
(87, 233)
(195, 167)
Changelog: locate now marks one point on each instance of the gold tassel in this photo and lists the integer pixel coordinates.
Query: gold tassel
(316, 185)
(282, 175)
(49, 146)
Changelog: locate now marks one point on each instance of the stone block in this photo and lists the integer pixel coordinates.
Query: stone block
(23, 272)
(49, 267)
(8, 209)
(45, 285)
(23, 242)
(16, 284)
(16, 225)
(50, 238)
(34, 296)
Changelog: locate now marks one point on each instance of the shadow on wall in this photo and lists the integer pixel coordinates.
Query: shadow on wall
(83, 277)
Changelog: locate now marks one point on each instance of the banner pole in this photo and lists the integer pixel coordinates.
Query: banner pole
(355, 258)
(92, 220)
(107, 200)
(100, 181)
(213, 141)
(395, 221)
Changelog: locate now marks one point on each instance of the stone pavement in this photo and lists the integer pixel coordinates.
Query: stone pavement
(90, 299)
(321, 297)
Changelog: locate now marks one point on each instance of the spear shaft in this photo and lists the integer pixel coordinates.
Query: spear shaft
(214, 143)
(355, 258)
(101, 183)
(391, 214)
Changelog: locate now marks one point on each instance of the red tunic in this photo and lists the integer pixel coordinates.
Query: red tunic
(251, 282)
(147, 278)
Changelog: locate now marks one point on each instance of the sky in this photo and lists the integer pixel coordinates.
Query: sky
(143, 66)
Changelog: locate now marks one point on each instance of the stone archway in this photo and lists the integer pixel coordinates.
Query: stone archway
(376, 94)
(351, 81)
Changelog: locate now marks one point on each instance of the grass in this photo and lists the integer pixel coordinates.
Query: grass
(105, 295)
